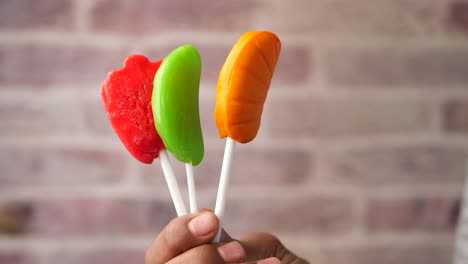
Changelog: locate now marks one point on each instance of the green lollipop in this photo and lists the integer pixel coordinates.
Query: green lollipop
(175, 109)
(175, 104)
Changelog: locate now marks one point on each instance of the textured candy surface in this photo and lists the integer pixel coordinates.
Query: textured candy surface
(175, 104)
(243, 85)
(126, 96)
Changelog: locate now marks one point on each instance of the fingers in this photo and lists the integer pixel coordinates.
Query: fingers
(264, 245)
(182, 234)
(261, 245)
(265, 261)
(231, 252)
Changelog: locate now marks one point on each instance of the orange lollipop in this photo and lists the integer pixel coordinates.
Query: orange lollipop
(242, 89)
(243, 85)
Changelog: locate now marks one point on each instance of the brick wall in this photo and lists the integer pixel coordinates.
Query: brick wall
(360, 158)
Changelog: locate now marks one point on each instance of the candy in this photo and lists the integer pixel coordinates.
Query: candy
(175, 104)
(242, 88)
(126, 96)
(243, 85)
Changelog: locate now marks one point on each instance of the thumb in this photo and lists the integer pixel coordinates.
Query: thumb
(259, 245)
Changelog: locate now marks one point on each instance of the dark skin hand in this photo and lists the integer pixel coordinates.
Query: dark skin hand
(186, 239)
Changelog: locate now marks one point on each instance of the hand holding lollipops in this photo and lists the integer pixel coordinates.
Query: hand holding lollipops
(153, 106)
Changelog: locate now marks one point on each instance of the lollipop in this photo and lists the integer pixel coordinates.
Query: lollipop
(242, 88)
(175, 109)
(126, 96)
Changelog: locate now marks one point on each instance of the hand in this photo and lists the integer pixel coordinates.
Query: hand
(186, 239)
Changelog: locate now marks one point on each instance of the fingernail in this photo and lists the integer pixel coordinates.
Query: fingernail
(202, 225)
(232, 252)
(269, 261)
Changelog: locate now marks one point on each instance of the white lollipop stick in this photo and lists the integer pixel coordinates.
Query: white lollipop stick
(172, 183)
(223, 185)
(191, 188)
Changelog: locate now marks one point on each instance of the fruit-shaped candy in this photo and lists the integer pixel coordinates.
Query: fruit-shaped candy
(243, 85)
(175, 104)
(242, 89)
(126, 96)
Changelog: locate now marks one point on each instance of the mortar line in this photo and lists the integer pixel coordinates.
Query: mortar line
(333, 40)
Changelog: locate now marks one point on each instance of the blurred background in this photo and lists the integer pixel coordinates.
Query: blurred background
(360, 158)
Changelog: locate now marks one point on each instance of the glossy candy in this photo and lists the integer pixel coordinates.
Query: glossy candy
(243, 85)
(175, 104)
(126, 96)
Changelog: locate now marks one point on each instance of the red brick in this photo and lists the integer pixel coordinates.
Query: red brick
(153, 173)
(213, 58)
(104, 256)
(99, 217)
(161, 15)
(266, 166)
(370, 68)
(294, 65)
(155, 54)
(305, 216)
(459, 258)
(398, 165)
(341, 17)
(35, 117)
(56, 167)
(390, 254)
(209, 128)
(8, 257)
(458, 15)
(455, 117)
(26, 14)
(14, 218)
(415, 214)
(96, 119)
(39, 65)
(313, 118)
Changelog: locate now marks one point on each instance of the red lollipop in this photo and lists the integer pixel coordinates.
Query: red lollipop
(126, 96)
